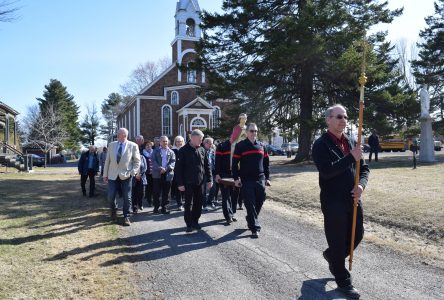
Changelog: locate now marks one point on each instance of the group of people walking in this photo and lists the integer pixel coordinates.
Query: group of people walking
(144, 170)
(191, 173)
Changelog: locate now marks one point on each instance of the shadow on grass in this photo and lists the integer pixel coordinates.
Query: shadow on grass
(287, 168)
(403, 162)
(153, 245)
(41, 205)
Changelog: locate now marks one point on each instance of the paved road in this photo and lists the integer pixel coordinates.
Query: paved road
(223, 262)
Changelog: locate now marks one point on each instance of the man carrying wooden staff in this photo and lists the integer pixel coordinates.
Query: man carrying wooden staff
(335, 159)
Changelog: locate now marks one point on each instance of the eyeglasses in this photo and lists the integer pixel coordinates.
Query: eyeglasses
(340, 117)
(253, 130)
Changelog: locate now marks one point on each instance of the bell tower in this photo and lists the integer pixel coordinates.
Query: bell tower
(187, 32)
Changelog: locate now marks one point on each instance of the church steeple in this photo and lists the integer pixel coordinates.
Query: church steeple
(187, 33)
(187, 20)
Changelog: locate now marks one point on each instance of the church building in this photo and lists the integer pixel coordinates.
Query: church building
(170, 105)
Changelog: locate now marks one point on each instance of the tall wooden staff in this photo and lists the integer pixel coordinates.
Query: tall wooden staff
(362, 82)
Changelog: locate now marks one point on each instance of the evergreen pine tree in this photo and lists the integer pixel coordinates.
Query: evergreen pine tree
(286, 56)
(57, 97)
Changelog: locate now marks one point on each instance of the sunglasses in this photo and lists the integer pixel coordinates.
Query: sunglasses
(340, 117)
(253, 130)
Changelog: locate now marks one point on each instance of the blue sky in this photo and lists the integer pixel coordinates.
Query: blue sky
(92, 46)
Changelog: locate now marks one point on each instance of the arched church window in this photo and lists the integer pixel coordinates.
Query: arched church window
(177, 27)
(191, 74)
(198, 123)
(191, 27)
(174, 98)
(166, 120)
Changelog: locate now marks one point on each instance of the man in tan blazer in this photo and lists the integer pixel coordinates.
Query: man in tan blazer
(122, 162)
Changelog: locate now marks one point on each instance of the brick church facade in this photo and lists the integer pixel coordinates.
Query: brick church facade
(170, 105)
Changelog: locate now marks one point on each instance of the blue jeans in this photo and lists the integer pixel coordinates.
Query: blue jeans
(125, 185)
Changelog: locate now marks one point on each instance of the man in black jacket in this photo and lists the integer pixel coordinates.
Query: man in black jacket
(88, 167)
(191, 166)
(373, 142)
(222, 170)
(250, 164)
(335, 160)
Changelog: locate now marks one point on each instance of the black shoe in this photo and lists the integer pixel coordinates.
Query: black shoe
(197, 226)
(113, 215)
(164, 211)
(141, 208)
(240, 208)
(156, 211)
(135, 210)
(254, 235)
(233, 219)
(229, 221)
(126, 222)
(350, 292)
(189, 229)
(330, 267)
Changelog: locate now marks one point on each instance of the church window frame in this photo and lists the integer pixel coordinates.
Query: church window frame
(167, 119)
(174, 98)
(199, 123)
(191, 74)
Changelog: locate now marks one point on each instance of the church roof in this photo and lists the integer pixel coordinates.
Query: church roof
(197, 103)
(183, 4)
(161, 75)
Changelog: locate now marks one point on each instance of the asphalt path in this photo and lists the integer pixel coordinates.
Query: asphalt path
(224, 262)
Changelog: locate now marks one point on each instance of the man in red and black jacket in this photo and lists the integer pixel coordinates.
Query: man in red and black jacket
(336, 160)
(250, 164)
(223, 170)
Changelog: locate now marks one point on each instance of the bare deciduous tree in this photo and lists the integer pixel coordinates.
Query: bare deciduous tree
(143, 75)
(405, 55)
(7, 11)
(43, 129)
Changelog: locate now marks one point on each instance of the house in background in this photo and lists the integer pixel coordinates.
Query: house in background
(8, 125)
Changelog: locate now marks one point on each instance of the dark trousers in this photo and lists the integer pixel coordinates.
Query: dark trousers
(228, 202)
(237, 197)
(138, 194)
(176, 194)
(337, 226)
(253, 193)
(149, 189)
(193, 204)
(125, 187)
(212, 196)
(161, 187)
(92, 182)
(370, 155)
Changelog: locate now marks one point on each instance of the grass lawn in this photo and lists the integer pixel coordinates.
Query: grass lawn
(43, 219)
(408, 202)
